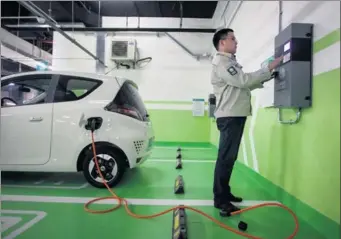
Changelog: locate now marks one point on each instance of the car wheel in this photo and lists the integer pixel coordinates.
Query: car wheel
(111, 165)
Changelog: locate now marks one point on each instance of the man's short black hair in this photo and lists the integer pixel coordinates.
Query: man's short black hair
(222, 33)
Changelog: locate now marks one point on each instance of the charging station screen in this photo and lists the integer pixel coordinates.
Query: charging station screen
(287, 46)
(287, 52)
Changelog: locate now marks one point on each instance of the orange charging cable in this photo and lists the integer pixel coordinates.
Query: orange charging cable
(122, 200)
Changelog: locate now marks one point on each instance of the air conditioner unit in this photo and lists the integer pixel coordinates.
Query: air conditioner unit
(123, 49)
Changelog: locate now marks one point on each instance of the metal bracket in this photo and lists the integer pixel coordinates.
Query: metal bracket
(295, 121)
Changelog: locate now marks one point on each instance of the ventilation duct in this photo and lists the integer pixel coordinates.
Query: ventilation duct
(23, 47)
(43, 25)
(16, 56)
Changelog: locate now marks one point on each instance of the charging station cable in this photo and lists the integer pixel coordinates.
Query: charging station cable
(122, 200)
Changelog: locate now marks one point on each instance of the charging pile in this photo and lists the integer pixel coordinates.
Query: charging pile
(179, 214)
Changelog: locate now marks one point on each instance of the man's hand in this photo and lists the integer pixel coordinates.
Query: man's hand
(272, 66)
(275, 63)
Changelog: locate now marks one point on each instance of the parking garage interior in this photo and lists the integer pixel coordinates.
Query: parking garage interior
(294, 163)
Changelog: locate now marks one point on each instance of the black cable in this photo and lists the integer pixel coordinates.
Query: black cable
(143, 59)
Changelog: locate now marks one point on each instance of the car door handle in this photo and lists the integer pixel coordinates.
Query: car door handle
(36, 119)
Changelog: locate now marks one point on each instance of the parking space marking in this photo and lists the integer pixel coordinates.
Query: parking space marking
(46, 186)
(134, 201)
(39, 182)
(39, 215)
(71, 181)
(183, 148)
(183, 160)
(8, 222)
(59, 183)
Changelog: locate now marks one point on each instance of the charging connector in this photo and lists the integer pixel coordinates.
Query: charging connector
(93, 123)
(274, 74)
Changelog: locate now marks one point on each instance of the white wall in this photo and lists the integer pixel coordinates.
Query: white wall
(196, 42)
(66, 56)
(172, 75)
(257, 23)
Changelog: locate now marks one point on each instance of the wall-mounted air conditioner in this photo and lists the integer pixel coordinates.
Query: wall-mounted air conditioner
(123, 49)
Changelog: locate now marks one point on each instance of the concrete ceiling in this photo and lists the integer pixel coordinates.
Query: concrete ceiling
(15, 18)
(89, 13)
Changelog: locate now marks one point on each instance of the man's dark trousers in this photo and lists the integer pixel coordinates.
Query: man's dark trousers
(231, 132)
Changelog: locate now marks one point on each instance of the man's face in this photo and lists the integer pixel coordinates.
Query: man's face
(229, 43)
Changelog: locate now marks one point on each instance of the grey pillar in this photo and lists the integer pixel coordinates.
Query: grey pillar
(100, 51)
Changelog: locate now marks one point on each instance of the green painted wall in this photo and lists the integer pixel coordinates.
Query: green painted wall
(214, 133)
(179, 126)
(301, 159)
(304, 158)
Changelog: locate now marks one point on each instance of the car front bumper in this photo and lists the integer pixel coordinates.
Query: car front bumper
(143, 151)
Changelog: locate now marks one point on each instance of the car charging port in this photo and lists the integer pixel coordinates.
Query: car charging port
(94, 123)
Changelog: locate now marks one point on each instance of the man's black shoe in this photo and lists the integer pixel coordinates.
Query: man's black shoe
(218, 205)
(228, 206)
(233, 198)
(227, 209)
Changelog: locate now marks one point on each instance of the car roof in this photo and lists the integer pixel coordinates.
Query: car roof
(72, 73)
(102, 77)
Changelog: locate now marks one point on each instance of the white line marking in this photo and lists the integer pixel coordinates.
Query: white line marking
(8, 222)
(170, 106)
(244, 151)
(59, 183)
(182, 148)
(46, 187)
(251, 129)
(39, 182)
(135, 201)
(183, 160)
(39, 216)
(328, 59)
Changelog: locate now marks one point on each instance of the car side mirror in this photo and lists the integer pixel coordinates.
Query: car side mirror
(7, 102)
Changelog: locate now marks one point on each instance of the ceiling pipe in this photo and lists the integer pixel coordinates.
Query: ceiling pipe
(30, 25)
(234, 14)
(196, 56)
(83, 5)
(25, 48)
(138, 14)
(20, 17)
(38, 12)
(108, 29)
(223, 14)
(235, 9)
(181, 14)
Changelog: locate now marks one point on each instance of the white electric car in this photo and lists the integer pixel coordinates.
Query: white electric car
(43, 118)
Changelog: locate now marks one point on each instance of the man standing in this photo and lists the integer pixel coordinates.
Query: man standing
(232, 88)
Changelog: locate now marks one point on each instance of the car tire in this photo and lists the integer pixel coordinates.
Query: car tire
(89, 165)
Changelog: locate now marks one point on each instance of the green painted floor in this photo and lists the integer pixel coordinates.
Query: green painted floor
(52, 205)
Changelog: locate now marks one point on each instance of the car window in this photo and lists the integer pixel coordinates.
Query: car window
(70, 88)
(25, 90)
(129, 97)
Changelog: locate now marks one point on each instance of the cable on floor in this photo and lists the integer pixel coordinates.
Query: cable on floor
(122, 200)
